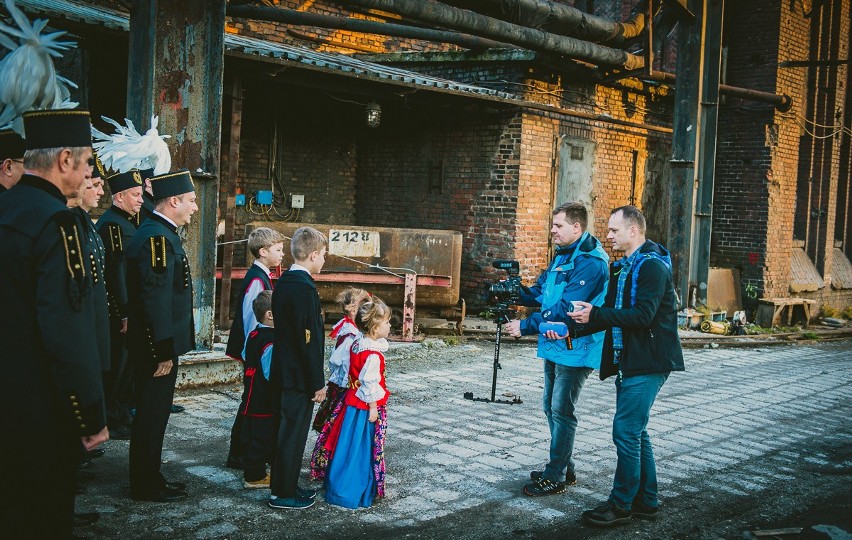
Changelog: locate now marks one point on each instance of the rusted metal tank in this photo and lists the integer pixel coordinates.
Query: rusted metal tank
(434, 255)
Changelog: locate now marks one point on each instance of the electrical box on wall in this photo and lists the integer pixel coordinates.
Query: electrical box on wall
(241, 199)
(297, 201)
(264, 197)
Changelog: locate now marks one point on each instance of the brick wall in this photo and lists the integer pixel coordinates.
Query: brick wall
(757, 167)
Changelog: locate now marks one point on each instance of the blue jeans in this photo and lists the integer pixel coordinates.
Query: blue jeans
(562, 385)
(636, 472)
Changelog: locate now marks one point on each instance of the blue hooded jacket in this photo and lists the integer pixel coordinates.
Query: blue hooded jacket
(577, 272)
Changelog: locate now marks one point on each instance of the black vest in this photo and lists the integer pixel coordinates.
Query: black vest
(256, 394)
(116, 227)
(237, 339)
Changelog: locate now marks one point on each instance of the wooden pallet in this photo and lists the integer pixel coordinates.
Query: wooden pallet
(770, 311)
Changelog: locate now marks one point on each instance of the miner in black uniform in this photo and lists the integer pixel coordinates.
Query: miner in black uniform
(116, 227)
(148, 201)
(52, 398)
(160, 328)
(93, 254)
(11, 159)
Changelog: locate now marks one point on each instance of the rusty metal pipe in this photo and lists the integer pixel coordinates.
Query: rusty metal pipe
(489, 27)
(559, 18)
(290, 16)
(782, 102)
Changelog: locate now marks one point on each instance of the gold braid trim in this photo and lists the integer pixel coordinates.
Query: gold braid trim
(80, 252)
(67, 251)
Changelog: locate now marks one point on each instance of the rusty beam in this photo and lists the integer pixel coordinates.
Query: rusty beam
(228, 186)
(408, 307)
(177, 53)
(291, 16)
(426, 280)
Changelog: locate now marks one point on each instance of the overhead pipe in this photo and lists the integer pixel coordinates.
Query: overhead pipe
(782, 102)
(290, 16)
(489, 27)
(560, 19)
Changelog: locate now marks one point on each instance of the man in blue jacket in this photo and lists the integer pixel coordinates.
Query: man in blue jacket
(577, 272)
(641, 347)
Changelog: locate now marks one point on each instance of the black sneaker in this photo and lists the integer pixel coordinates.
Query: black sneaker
(642, 510)
(542, 487)
(606, 515)
(570, 478)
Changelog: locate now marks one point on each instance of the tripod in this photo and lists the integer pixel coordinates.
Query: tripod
(503, 315)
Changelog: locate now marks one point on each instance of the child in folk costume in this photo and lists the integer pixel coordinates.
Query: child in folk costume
(356, 473)
(345, 332)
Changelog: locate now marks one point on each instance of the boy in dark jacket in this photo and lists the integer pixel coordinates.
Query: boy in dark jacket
(257, 408)
(267, 247)
(641, 347)
(297, 365)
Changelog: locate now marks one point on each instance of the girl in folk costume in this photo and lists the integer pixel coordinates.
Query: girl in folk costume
(345, 332)
(356, 473)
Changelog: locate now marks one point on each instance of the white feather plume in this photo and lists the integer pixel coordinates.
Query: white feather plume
(28, 79)
(127, 149)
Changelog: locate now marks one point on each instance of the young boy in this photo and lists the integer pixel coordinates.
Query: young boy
(297, 365)
(267, 247)
(257, 411)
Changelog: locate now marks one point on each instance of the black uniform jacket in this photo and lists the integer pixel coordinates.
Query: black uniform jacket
(237, 337)
(648, 324)
(49, 368)
(257, 395)
(297, 359)
(94, 257)
(160, 326)
(116, 227)
(148, 205)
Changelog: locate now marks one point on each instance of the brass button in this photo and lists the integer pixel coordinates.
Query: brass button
(73, 397)
(79, 418)
(73, 252)
(75, 404)
(82, 426)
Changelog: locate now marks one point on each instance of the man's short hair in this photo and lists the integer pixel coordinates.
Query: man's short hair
(42, 159)
(263, 238)
(159, 204)
(262, 303)
(305, 241)
(575, 212)
(632, 216)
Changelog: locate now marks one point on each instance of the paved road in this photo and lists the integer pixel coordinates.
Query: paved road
(746, 438)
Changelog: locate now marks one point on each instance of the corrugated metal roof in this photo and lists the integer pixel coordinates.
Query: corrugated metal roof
(78, 12)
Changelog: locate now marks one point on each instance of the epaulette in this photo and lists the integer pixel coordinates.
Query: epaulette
(74, 263)
(115, 242)
(158, 254)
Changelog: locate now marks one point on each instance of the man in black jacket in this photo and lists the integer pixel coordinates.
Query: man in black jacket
(641, 348)
(296, 374)
(52, 398)
(116, 227)
(160, 329)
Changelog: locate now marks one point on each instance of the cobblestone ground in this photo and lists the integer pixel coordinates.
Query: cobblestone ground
(737, 427)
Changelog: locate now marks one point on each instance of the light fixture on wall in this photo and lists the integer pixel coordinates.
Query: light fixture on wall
(374, 114)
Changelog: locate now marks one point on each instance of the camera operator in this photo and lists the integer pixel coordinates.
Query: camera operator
(578, 272)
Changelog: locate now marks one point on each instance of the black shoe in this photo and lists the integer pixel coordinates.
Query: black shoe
(96, 453)
(295, 503)
(234, 462)
(606, 515)
(641, 510)
(84, 475)
(180, 486)
(542, 487)
(177, 408)
(305, 493)
(165, 494)
(570, 478)
(81, 519)
(121, 433)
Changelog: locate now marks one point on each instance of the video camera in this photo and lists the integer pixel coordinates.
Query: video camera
(507, 293)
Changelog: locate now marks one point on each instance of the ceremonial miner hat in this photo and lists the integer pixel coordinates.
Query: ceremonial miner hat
(171, 184)
(121, 181)
(147, 174)
(98, 170)
(12, 146)
(60, 128)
